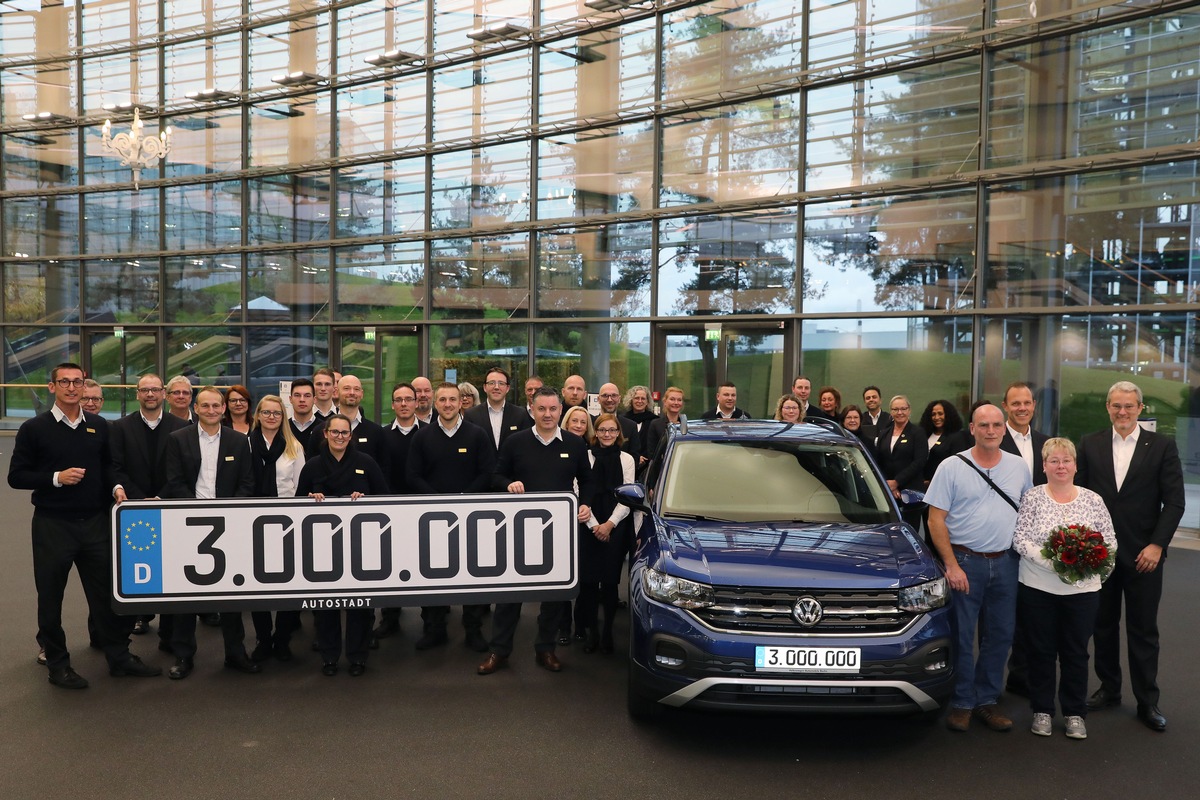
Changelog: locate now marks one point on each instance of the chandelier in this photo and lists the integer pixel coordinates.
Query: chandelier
(136, 151)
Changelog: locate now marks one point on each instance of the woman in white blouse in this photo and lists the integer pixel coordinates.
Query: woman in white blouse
(1057, 617)
(277, 458)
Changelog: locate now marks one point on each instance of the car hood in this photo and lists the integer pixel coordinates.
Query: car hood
(794, 556)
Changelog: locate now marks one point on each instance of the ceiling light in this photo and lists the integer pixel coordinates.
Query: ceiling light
(394, 58)
(298, 78)
(497, 32)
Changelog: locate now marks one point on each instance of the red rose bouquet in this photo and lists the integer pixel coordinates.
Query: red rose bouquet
(1077, 553)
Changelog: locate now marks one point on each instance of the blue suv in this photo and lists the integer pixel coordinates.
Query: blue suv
(773, 573)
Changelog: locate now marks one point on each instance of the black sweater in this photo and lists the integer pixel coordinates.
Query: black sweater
(356, 472)
(438, 463)
(44, 446)
(553, 467)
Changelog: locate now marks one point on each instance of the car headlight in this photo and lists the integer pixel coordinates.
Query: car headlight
(924, 596)
(676, 591)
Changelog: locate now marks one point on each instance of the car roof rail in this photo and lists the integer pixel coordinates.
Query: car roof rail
(826, 423)
(683, 424)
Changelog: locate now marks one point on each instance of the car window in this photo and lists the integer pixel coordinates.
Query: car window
(759, 481)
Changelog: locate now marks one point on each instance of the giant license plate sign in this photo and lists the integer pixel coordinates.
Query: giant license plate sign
(175, 555)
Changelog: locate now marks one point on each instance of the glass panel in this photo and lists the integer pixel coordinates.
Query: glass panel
(479, 188)
(602, 352)
(292, 131)
(601, 171)
(755, 362)
(120, 222)
(381, 199)
(289, 208)
(206, 355)
(725, 45)
(1014, 18)
(205, 143)
(482, 277)
(595, 272)
(904, 253)
(104, 166)
(598, 73)
(42, 158)
(203, 65)
(187, 15)
(282, 353)
(1105, 238)
(382, 117)
(927, 358)
(204, 215)
(728, 264)
(692, 366)
(123, 290)
(202, 288)
(120, 79)
(297, 45)
(454, 19)
(358, 359)
(491, 96)
(866, 33)
(919, 123)
(45, 88)
(380, 282)
(400, 355)
(731, 153)
(117, 362)
(368, 29)
(472, 349)
(41, 226)
(289, 286)
(109, 22)
(29, 355)
(41, 291)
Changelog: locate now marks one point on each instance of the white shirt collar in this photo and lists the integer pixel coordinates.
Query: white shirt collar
(450, 431)
(557, 435)
(152, 424)
(61, 416)
(1024, 437)
(1132, 438)
(396, 426)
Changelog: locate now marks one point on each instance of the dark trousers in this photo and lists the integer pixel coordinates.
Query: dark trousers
(83, 542)
(437, 616)
(183, 634)
(358, 634)
(285, 624)
(1141, 594)
(1056, 630)
(504, 626)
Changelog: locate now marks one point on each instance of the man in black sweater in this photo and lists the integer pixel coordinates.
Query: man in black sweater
(544, 458)
(397, 439)
(368, 435)
(726, 404)
(451, 455)
(304, 419)
(63, 456)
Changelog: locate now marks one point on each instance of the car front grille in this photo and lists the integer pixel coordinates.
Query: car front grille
(766, 611)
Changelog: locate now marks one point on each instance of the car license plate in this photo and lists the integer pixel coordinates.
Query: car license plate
(808, 659)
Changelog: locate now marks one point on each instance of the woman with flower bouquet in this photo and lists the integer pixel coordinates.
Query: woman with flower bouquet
(1067, 546)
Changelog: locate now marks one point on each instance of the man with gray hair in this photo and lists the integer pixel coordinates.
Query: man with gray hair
(1139, 476)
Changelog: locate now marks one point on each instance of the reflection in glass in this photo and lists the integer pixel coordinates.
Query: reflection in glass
(602, 352)
(288, 286)
(377, 283)
(871, 33)
(29, 355)
(213, 354)
(41, 291)
(300, 45)
(480, 277)
(382, 117)
(600, 171)
(728, 264)
(598, 73)
(901, 253)
(472, 349)
(40, 226)
(203, 215)
(289, 208)
(381, 199)
(595, 272)
(43, 158)
(120, 222)
(123, 290)
(204, 142)
(291, 131)
(202, 288)
(478, 188)
(482, 97)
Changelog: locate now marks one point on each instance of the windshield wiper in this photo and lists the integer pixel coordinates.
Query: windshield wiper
(697, 517)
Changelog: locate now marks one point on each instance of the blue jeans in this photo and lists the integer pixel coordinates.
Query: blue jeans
(991, 607)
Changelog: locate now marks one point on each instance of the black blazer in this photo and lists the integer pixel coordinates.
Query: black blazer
(737, 414)
(137, 469)
(513, 419)
(815, 411)
(1009, 445)
(947, 445)
(235, 476)
(368, 438)
(872, 431)
(1149, 505)
(904, 464)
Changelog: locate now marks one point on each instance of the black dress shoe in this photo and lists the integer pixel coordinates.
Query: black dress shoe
(212, 620)
(591, 641)
(431, 639)
(262, 651)
(476, 642)
(141, 628)
(1103, 698)
(385, 629)
(357, 669)
(183, 667)
(1152, 718)
(564, 639)
(242, 663)
(606, 643)
(283, 651)
(67, 678)
(134, 667)
(373, 643)
(329, 669)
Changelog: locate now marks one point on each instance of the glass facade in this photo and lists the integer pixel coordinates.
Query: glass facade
(937, 196)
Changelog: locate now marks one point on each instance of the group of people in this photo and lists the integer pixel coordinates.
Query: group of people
(994, 490)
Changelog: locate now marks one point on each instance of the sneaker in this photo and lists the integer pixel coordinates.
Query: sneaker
(1075, 728)
(41, 657)
(1041, 724)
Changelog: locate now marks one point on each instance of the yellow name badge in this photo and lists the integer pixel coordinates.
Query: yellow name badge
(90, 430)
(229, 458)
(359, 472)
(362, 439)
(462, 449)
(564, 455)
(512, 427)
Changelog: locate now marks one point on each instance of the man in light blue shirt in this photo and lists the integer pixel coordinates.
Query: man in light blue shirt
(971, 523)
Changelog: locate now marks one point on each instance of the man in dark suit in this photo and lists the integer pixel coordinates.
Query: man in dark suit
(1022, 440)
(726, 404)
(802, 388)
(1139, 475)
(498, 418)
(610, 398)
(206, 461)
(874, 418)
(139, 452)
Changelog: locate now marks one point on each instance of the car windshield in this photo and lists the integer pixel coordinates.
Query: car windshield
(773, 481)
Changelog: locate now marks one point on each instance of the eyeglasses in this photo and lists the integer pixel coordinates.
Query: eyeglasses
(151, 390)
(271, 414)
(76, 383)
(180, 392)
(496, 383)
(1113, 406)
(238, 400)
(338, 434)
(87, 401)
(606, 430)
(899, 409)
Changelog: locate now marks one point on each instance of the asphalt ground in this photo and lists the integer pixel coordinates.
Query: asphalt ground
(424, 725)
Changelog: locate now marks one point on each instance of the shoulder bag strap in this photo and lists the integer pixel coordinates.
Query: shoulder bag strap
(990, 482)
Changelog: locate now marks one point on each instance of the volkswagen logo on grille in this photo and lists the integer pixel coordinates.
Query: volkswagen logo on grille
(807, 611)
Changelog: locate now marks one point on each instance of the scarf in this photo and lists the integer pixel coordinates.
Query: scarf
(262, 461)
(608, 475)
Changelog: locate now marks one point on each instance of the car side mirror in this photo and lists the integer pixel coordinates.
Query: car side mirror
(632, 495)
(910, 498)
